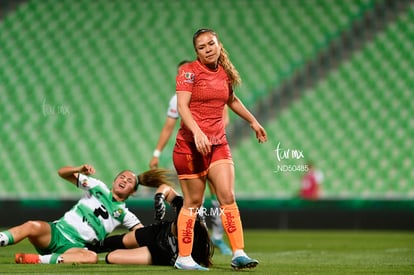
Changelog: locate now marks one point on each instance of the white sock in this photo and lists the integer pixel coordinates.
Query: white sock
(186, 260)
(45, 259)
(4, 240)
(238, 253)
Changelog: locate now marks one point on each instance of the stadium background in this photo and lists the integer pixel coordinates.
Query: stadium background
(89, 82)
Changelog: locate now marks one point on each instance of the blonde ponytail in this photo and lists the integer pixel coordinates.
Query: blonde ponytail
(155, 178)
(231, 71)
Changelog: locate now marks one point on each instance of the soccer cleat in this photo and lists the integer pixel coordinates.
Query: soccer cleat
(243, 262)
(222, 246)
(22, 258)
(177, 265)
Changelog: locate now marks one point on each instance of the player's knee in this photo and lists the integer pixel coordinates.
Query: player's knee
(32, 226)
(108, 258)
(227, 200)
(89, 257)
(193, 201)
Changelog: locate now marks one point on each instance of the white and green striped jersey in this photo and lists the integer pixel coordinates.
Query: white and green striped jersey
(95, 215)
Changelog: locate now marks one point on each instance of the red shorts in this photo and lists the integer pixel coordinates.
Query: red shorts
(191, 164)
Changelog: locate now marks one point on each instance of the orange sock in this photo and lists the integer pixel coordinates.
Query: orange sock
(233, 226)
(185, 231)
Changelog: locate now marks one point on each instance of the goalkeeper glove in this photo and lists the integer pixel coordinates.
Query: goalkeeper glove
(159, 206)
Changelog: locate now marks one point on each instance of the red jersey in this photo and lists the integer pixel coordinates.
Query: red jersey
(210, 91)
(310, 184)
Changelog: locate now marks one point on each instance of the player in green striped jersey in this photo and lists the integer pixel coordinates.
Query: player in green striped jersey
(93, 217)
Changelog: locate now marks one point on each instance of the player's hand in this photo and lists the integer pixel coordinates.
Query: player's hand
(260, 132)
(87, 169)
(154, 163)
(202, 143)
(159, 206)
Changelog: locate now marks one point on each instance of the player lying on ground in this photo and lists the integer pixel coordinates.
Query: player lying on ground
(93, 217)
(156, 244)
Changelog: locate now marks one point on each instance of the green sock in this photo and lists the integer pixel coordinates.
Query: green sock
(56, 259)
(51, 259)
(6, 238)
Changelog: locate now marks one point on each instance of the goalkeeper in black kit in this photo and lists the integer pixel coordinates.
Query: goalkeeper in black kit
(156, 244)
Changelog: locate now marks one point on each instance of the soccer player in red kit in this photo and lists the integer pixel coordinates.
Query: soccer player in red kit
(201, 151)
(167, 130)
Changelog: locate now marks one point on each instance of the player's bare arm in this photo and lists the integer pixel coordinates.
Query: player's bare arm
(162, 141)
(238, 107)
(70, 173)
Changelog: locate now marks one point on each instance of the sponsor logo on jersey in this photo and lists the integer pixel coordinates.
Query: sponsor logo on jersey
(189, 77)
(117, 213)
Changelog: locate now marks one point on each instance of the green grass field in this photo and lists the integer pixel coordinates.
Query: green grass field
(279, 252)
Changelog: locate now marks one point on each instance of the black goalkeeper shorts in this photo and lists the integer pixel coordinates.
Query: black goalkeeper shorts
(160, 242)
